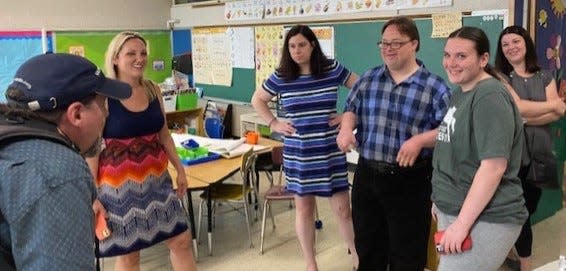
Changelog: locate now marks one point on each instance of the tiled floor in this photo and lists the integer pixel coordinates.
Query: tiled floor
(282, 251)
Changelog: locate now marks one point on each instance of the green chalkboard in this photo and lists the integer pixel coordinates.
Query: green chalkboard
(242, 89)
(95, 44)
(355, 46)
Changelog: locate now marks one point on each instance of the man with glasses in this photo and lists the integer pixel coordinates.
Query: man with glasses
(55, 111)
(395, 108)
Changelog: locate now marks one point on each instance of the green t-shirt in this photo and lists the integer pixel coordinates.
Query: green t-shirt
(480, 124)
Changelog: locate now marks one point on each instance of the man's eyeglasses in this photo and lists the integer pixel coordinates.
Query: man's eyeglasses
(392, 45)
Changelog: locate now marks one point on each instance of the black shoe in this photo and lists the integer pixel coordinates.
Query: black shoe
(514, 265)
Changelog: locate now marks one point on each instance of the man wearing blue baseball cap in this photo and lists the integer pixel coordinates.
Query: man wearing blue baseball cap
(54, 116)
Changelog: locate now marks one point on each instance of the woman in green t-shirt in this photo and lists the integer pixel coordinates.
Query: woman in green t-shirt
(475, 188)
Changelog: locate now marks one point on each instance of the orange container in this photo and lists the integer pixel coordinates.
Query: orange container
(252, 137)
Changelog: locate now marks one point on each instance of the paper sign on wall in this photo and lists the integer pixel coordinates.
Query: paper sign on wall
(444, 23)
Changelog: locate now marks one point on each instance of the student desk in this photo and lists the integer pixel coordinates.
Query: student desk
(201, 176)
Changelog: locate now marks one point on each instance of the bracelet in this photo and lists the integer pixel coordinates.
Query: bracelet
(271, 121)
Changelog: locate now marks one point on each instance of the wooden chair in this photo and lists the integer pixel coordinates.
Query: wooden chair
(233, 193)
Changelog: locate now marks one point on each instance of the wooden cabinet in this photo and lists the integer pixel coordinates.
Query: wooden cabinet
(191, 117)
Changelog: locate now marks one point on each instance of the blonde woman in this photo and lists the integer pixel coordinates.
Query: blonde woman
(134, 187)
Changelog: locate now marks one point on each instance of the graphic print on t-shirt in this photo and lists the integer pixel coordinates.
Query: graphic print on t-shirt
(446, 128)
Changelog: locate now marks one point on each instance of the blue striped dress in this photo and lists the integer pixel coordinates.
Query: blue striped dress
(313, 163)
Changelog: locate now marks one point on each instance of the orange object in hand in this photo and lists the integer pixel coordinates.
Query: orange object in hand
(252, 137)
(466, 245)
(101, 229)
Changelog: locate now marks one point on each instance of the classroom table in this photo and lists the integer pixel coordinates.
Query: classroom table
(212, 172)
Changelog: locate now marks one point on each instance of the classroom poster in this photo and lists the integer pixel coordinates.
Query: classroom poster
(212, 62)
(244, 10)
(273, 8)
(268, 44)
(445, 23)
(385, 5)
(281, 8)
(308, 8)
(243, 46)
(325, 36)
(410, 4)
(550, 33)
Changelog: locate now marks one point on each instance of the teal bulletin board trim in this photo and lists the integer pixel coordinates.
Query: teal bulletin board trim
(96, 43)
(355, 46)
(242, 89)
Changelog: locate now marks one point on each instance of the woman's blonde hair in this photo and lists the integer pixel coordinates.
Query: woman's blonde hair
(114, 49)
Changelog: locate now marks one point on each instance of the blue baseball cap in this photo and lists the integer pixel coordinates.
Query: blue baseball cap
(54, 81)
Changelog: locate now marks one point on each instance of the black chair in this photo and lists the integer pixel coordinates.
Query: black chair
(265, 163)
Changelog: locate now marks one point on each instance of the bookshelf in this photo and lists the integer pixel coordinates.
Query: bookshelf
(186, 117)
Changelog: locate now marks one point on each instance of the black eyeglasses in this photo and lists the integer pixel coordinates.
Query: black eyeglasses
(392, 45)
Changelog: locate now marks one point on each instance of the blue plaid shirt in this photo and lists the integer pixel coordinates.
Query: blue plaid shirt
(388, 113)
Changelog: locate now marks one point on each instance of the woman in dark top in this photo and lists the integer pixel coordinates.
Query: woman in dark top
(536, 96)
(134, 186)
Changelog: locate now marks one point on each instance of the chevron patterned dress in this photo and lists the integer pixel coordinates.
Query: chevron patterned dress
(133, 182)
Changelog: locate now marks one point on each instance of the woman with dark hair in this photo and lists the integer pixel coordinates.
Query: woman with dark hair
(307, 84)
(475, 188)
(536, 96)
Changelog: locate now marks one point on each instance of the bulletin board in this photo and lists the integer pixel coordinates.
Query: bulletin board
(94, 45)
(241, 90)
(549, 26)
(356, 48)
(17, 47)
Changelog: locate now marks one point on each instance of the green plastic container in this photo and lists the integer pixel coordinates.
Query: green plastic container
(183, 153)
(191, 154)
(187, 101)
(264, 130)
(200, 152)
